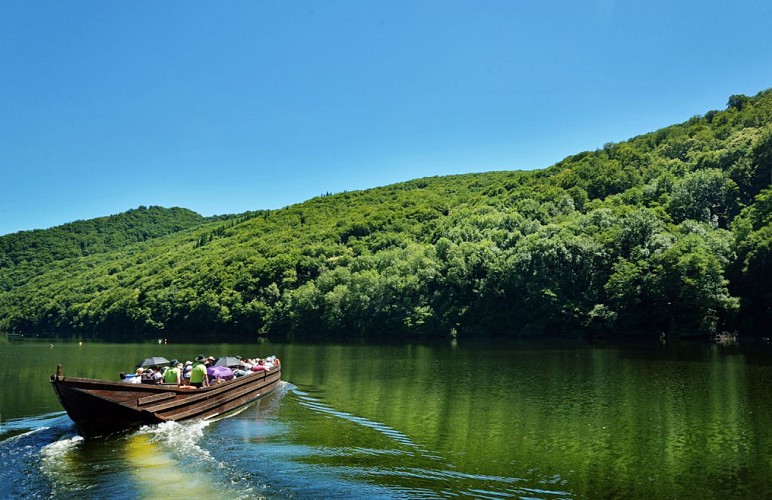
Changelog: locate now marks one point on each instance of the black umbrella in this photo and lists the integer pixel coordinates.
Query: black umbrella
(228, 361)
(155, 360)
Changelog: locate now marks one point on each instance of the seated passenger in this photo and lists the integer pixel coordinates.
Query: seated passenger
(135, 378)
(260, 366)
(148, 376)
(186, 372)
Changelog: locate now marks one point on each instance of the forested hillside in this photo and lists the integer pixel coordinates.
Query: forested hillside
(667, 233)
(27, 253)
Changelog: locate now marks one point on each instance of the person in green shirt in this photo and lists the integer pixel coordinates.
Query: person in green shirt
(198, 376)
(173, 374)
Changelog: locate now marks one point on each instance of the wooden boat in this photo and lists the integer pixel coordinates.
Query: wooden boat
(101, 407)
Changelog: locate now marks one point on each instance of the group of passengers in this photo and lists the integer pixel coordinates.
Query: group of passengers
(256, 365)
(200, 373)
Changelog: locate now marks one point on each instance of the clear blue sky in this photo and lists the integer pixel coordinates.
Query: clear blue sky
(223, 107)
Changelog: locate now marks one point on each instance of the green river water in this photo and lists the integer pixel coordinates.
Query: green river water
(445, 420)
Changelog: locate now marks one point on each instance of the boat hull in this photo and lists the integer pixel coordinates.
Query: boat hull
(100, 407)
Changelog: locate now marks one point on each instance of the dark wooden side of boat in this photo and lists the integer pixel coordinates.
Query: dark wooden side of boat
(101, 407)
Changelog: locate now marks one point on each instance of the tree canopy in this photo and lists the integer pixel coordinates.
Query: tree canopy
(667, 233)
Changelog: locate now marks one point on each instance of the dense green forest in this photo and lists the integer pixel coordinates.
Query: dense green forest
(667, 233)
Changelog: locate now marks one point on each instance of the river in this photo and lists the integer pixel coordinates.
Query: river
(445, 420)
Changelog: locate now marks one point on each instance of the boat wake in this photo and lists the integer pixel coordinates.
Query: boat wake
(279, 447)
(148, 462)
(413, 470)
(187, 457)
(312, 403)
(169, 457)
(27, 444)
(16, 428)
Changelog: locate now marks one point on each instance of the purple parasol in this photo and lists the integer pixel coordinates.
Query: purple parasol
(221, 372)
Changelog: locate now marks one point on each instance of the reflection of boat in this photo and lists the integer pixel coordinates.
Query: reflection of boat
(101, 406)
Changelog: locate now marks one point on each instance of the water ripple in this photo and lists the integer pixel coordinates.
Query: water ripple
(428, 479)
(316, 405)
(23, 426)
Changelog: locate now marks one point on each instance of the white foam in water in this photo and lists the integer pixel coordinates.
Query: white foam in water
(156, 471)
(59, 449)
(175, 435)
(168, 457)
(54, 463)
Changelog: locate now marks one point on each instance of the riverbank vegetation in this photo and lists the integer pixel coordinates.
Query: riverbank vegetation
(668, 233)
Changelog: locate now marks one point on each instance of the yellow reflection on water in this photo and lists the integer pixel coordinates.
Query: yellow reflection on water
(167, 458)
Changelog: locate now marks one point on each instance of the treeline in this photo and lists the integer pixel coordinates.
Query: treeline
(667, 233)
(27, 253)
